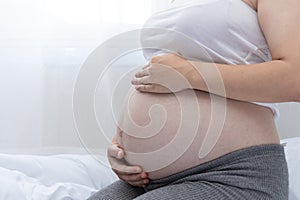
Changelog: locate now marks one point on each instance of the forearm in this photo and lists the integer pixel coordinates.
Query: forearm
(273, 81)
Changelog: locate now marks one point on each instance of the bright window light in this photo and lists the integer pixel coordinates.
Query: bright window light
(100, 11)
(110, 11)
(74, 11)
(136, 11)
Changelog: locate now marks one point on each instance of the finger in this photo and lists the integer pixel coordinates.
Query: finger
(135, 177)
(141, 183)
(145, 88)
(132, 177)
(140, 81)
(121, 168)
(142, 73)
(146, 66)
(115, 151)
(154, 88)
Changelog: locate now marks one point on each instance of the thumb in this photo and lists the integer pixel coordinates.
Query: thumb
(115, 151)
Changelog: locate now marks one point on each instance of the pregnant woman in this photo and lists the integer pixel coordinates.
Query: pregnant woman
(254, 45)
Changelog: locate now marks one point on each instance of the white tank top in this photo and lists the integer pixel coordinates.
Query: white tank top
(220, 31)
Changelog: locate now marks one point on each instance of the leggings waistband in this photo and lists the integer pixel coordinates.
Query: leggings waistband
(256, 157)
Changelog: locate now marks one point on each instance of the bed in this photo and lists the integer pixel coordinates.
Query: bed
(55, 177)
(292, 150)
(77, 176)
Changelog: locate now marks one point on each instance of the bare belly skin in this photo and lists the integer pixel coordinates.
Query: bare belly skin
(169, 142)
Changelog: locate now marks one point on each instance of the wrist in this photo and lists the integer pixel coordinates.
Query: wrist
(194, 77)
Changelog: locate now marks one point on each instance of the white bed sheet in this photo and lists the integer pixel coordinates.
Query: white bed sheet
(292, 150)
(58, 177)
(76, 177)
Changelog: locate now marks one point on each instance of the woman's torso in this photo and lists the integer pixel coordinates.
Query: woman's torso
(219, 131)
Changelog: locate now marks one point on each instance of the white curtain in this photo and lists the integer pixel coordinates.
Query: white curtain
(43, 43)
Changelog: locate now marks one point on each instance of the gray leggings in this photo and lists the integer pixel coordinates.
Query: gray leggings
(258, 173)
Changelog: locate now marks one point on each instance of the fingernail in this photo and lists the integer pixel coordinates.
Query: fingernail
(137, 87)
(144, 175)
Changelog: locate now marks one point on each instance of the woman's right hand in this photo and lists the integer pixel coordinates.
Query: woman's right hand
(133, 175)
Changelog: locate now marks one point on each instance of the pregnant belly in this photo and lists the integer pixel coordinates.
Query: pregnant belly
(168, 133)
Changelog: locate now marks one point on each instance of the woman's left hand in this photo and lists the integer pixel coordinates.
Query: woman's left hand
(166, 73)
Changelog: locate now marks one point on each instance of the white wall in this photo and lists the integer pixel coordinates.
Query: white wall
(289, 121)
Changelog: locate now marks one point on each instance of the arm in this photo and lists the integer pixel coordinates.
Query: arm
(279, 79)
(274, 81)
